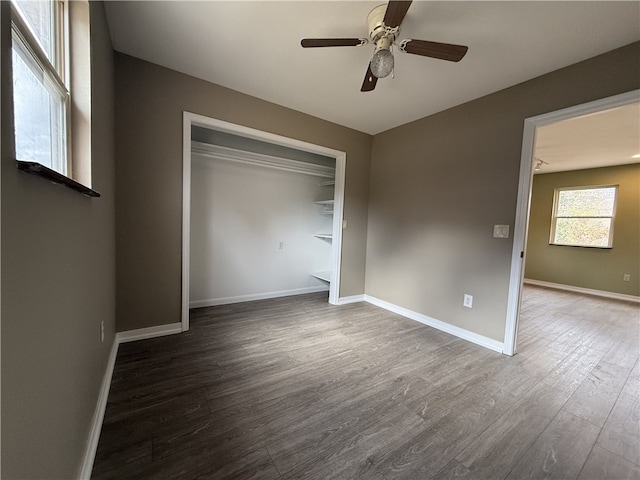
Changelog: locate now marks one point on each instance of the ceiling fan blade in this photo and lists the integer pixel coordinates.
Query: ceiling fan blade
(396, 10)
(333, 42)
(443, 51)
(370, 81)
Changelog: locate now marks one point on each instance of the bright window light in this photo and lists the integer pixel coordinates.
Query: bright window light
(583, 217)
(40, 95)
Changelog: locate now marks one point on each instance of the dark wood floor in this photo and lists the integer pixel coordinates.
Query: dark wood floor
(296, 388)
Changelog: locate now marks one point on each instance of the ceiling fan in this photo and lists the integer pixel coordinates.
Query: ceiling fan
(384, 25)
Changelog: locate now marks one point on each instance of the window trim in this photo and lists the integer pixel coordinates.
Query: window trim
(555, 217)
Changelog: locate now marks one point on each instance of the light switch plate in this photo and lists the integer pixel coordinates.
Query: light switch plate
(501, 231)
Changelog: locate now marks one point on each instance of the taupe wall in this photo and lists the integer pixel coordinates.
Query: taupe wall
(149, 103)
(439, 184)
(596, 268)
(58, 284)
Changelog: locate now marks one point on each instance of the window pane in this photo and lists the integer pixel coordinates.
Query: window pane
(592, 232)
(39, 16)
(592, 202)
(39, 115)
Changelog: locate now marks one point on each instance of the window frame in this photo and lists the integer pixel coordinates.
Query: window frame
(57, 73)
(555, 217)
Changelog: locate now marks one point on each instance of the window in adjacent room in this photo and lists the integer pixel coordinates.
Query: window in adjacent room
(40, 83)
(583, 216)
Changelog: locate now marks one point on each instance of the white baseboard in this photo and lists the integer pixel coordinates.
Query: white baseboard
(98, 415)
(149, 332)
(351, 299)
(439, 324)
(588, 291)
(212, 302)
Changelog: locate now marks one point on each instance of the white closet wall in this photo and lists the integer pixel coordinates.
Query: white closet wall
(252, 232)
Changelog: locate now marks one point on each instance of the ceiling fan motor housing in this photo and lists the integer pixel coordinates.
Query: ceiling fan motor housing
(376, 26)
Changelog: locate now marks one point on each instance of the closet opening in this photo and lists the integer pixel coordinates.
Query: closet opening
(262, 215)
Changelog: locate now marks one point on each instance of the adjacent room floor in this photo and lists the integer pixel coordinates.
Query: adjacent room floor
(297, 388)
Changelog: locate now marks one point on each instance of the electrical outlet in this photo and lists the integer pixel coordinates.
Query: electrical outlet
(468, 301)
(626, 277)
(102, 331)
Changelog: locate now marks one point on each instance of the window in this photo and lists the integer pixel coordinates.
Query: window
(40, 83)
(583, 216)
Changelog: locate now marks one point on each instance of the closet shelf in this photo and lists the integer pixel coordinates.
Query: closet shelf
(328, 212)
(328, 183)
(324, 202)
(324, 276)
(323, 235)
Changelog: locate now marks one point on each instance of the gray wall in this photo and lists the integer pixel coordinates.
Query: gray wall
(58, 284)
(149, 103)
(596, 268)
(439, 184)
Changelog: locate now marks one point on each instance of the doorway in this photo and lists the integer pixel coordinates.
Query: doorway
(518, 256)
(194, 120)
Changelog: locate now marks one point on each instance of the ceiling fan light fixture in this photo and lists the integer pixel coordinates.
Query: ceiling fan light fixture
(382, 63)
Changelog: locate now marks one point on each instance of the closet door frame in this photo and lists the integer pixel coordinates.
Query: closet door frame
(190, 119)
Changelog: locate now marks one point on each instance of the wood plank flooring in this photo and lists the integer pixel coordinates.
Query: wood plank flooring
(295, 388)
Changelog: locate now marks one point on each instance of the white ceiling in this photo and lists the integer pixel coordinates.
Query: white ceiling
(254, 48)
(603, 139)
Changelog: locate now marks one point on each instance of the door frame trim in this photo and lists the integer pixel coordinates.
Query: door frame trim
(518, 255)
(190, 119)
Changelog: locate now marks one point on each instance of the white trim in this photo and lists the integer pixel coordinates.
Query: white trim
(212, 302)
(524, 199)
(186, 216)
(248, 132)
(351, 299)
(98, 415)
(438, 324)
(587, 291)
(101, 405)
(251, 158)
(336, 241)
(149, 332)
(190, 119)
(519, 238)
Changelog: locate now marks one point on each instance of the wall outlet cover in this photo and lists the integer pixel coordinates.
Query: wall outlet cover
(468, 301)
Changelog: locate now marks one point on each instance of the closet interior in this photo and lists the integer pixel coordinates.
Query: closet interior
(262, 219)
